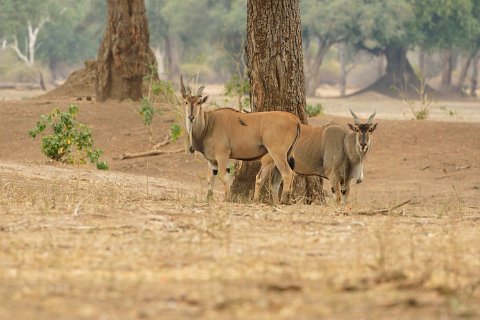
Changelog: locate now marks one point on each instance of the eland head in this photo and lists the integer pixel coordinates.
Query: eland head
(363, 131)
(193, 103)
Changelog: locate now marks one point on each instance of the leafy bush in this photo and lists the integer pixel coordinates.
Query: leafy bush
(314, 110)
(70, 141)
(147, 111)
(175, 131)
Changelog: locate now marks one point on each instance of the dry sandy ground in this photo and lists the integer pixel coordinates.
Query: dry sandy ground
(140, 241)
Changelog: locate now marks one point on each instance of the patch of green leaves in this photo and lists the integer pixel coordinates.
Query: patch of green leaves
(147, 111)
(314, 110)
(175, 131)
(70, 141)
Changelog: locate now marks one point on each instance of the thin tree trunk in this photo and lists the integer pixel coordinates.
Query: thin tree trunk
(313, 76)
(464, 71)
(275, 70)
(421, 62)
(343, 68)
(381, 66)
(474, 79)
(160, 58)
(124, 56)
(447, 70)
(172, 61)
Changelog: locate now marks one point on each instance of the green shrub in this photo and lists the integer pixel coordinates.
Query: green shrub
(314, 110)
(175, 131)
(70, 141)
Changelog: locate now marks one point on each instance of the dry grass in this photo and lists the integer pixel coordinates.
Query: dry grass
(78, 244)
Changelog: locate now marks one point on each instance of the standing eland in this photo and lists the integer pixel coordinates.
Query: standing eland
(329, 151)
(225, 134)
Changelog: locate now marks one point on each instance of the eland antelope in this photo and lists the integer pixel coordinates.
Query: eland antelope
(329, 151)
(225, 134)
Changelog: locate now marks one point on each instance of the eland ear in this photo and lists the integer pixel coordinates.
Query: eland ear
(352, 127)
(202, 100)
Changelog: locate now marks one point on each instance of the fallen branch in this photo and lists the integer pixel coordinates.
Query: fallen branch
(148, 153)
(378, 211)
(167, 140)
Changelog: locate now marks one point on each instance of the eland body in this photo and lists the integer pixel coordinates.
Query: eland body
(225, 134)
(330, 151)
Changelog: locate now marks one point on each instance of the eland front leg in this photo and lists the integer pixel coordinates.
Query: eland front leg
(211, 180)
(224, 175)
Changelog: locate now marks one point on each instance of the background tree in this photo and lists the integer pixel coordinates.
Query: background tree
(124, 56)
(275, 69)
(325, 23)
(22, 23)
(448, 26)
(387, 28)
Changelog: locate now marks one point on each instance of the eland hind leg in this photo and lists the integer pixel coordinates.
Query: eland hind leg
(260, 179)
(287, 174)
(276, 182)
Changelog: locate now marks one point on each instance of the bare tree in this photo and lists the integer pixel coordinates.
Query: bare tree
(28, 55)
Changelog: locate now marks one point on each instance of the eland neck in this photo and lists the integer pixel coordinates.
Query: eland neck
(199, 130)
(352, 149)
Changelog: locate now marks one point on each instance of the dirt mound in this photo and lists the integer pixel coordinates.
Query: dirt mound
(80, 83)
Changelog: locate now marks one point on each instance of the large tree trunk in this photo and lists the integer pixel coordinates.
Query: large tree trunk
(399, 69)
(124, 56)
(275, 70)
(399, 74)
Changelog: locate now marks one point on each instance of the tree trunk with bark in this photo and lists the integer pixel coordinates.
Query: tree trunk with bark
(275, 70)
(124, 56)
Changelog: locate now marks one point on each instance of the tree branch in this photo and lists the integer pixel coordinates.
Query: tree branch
(15, 48)
(148, 153)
